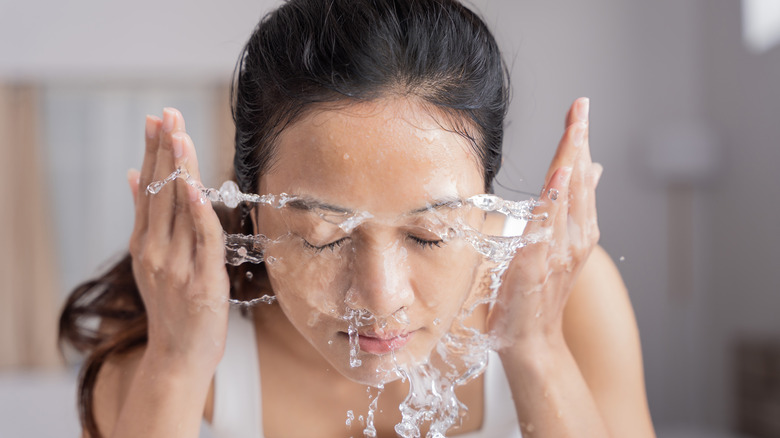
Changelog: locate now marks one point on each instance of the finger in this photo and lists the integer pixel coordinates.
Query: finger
(579, 191)
(162, 204)
(133, 176)
(576, 120)
(209, 240)
(578, 111)
(594, 176)
(553, 199)
(580, 196)
(182, 236)
(153, 125)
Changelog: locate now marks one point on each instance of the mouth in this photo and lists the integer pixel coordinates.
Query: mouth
(386, 343)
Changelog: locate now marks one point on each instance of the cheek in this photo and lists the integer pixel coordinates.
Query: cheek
(443, 282)
(307, 281)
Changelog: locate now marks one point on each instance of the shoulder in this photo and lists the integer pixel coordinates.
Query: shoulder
(601, 332)
(113, 384)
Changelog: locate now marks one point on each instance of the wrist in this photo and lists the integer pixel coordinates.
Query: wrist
(535, 352)
(175, 367)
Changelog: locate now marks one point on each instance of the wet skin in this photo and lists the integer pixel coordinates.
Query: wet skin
(389, 157)
(178, 263)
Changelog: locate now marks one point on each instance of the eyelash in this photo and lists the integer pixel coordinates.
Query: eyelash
(336, 244)
(331, 246)
(426, 243)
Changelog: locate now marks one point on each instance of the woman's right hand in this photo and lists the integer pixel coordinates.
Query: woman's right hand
(178, 254)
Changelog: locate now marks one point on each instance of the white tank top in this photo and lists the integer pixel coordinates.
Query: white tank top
(238, 406)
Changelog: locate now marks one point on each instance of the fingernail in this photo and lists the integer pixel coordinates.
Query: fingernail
(168, 116)
(579, 134)
(583, 107)
(150, 128)
(178, 144)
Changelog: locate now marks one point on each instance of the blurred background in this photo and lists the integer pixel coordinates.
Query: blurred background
(685, 118)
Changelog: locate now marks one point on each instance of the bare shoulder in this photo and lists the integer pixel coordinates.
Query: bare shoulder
(113, 384)
(601, 332)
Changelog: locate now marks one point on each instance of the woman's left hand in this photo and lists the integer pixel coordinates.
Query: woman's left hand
(538, 281)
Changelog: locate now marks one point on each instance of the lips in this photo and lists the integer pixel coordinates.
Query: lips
(375, 344)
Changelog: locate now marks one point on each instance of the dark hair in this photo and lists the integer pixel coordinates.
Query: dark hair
(306, 53)
(314, 51)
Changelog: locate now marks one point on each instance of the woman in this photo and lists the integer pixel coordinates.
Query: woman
(392, 109)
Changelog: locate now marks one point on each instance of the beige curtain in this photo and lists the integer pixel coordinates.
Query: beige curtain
(29, 298)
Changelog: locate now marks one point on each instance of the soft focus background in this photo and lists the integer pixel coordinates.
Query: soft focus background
(685, 117)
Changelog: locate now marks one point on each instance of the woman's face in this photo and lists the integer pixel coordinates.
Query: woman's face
(376, 181)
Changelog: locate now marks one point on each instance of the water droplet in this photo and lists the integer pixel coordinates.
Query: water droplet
(350, 418)
(346, 156)
(229, 194)
(370, 430)
(436, 321)
(270, 260)
(154, 188)
(212, 195)
(622, 258)
(354, 346)
(553, 194)
(401, 316)
(249, 275)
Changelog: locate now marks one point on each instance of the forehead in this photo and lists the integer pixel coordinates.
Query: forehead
(381, 156)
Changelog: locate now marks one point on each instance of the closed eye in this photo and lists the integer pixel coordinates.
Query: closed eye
(331, 246)
(426, 243)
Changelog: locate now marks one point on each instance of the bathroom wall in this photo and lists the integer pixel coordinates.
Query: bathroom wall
(742, 98)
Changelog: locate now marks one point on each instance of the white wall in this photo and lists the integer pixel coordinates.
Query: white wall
(743, 99)
(107, 40)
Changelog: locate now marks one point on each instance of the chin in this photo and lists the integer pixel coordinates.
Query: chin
(366, 375)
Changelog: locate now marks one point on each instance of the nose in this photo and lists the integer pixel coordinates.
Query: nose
(381, 281)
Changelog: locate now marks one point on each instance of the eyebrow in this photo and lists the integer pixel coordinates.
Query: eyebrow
(309, 204)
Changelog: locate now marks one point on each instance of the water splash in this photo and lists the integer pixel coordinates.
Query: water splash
(370, 430)
(354, 347)
(522, 210)
(350, 418)
(356, 318)
(462, 353)
(228, 193)
(265, 299)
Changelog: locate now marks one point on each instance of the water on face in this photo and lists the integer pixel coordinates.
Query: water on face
(462, 352)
